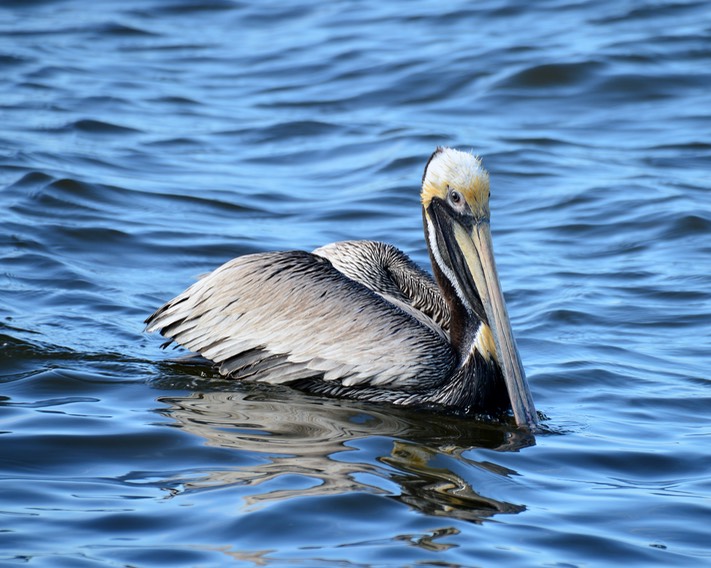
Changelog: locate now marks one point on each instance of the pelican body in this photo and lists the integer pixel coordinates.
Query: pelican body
(359, 319)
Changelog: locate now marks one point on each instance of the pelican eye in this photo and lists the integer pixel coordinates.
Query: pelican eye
(455, 197)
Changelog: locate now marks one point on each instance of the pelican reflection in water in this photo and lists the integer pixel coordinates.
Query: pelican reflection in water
(342, 446)
(359, 319)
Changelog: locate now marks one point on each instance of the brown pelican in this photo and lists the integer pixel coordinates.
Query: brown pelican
(359, 319)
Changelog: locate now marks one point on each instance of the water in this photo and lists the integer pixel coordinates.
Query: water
(145, 142)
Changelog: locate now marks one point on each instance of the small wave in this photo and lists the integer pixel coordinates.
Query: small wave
(93, 126)
(553, 75)
(688, 225)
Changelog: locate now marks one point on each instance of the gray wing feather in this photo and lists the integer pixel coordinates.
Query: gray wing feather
(283, 316)
(389, 272)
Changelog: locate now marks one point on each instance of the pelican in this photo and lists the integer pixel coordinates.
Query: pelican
(359, 319)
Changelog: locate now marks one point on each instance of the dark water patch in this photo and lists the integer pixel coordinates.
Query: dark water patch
(647, 87)
(398, 164)
(23, 3)
(627, 14)
(75, 448)
(550, 76)
(72, 189)
(186, 7)
(669, 321)
(35, 86)
(31, 180)
(586, 544)
(121, 30)
(276, 14)
(18, 355)
(667, 295)
(680, 161)
(688, 226)
(92, 126)
(62, 194)
(183, 144)
(224, 205)
(180, 555)
(299, 129)
(102, 102)
(13, 60)
(90, 238)
(354, 214)
(544, 141)
(176, 100)
(666, 47)
(290, 156)
(641, 468)
(582, 230)
(27, 355)
(186, 255)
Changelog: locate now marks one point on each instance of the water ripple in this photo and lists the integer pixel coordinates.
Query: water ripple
(145, 143)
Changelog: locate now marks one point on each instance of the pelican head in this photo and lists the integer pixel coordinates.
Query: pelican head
(455, 201)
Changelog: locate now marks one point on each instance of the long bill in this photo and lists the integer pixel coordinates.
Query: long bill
(479, 255)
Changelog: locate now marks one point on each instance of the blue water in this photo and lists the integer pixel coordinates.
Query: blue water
(143, 143)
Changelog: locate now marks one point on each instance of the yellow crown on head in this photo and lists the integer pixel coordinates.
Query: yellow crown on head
(450, 169)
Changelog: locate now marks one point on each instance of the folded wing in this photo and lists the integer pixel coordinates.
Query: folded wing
(389, 272)
(285, 316)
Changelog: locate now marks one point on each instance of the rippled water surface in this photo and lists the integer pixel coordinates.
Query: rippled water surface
(143, 143)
